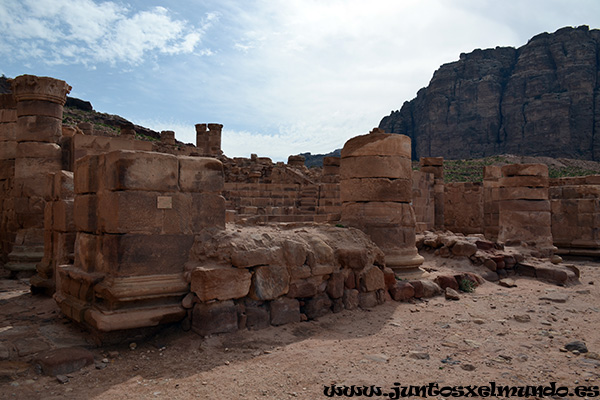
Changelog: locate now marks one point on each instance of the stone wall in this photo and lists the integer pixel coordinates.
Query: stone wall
(575, 206)
(491, 198)
(463, 207)
(435, 166)
(423, 200)
(8, 153)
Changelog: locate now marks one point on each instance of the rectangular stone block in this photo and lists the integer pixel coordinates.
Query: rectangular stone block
(85, 213)
(8, 150)
(86, 251)
(376, 189)
(200, 174)
(87, 173)
(137, 254)
(378, 213)
(524, 205)
(377, 144)
(84, 145)
(523, 193)
(39, 129)
(130, 212)
(218, 317)
(376, 167)
(8, 131)
(63, 220)
(7, 169)
(525, 218)
(525, 170)
(36, 107)
(220, 283)
(63, 185)
(141, 170)
(525, 181)
(64, 247)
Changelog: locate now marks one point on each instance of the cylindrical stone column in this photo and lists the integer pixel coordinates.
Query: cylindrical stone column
(208, 139)
(40, 102)
(376, 192)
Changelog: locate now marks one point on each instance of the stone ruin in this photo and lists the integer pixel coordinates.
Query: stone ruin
(129, 234)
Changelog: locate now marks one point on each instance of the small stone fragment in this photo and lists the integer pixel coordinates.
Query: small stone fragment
(576, 345)
(452, 294)
(522, 318)
(62, 379)
(507, 282)
(418, 355)
(468, 367)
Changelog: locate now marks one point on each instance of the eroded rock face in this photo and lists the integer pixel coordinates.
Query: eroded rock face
(540, 99)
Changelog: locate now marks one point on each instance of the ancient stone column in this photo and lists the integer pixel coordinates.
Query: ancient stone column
(376, 192)
(8, 152)
(524, 206)
(296, 161)
(40, 103)
(208, 139)
(167, 137)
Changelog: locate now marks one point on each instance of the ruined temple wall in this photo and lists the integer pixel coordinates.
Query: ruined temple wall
(463, 207)
(491, 198)
(423, 200)
(268, 200)
(575, 204)
(136, 214)
(8, 152)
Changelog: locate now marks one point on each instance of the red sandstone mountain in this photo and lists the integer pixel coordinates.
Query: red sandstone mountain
(542, 99)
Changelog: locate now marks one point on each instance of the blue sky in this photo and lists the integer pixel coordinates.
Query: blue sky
(283, 76)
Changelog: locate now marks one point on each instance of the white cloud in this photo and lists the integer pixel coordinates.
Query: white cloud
(86, 32)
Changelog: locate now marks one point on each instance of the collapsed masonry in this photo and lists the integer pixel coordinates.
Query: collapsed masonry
(130, 234)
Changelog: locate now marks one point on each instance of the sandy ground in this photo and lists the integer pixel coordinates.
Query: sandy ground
(473, 341)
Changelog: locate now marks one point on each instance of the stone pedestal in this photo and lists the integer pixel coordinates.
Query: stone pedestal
(376, 192)
(39, 102)
(524, 206)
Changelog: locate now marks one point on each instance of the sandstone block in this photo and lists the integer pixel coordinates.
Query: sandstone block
(85, 212)
(257, 317)
(523, 193)
(39, 129)
(294, 254)
(353, 258)
(8, 150)
(350, 299)
(430, 288)
(63, 185)
(524, 181)
(200, 174)
(220, 283)
(376, 189)
(269, 282)
(377, 144)
(378, 213)
(367, 300)
(492, 172)
(218, 317)
(63, 361)
(284, 311)
(241, 258)
(371, 279)
(524, 205)
(402, 291)
(140, 170)
(86, 177)
(63, 220)
(207, 211)
(466, 249)
(331, 161)
(335, 285)
(376, 167)
(303, 288)
(525, 170)
(138, 254)
(447, 281)
(525, 218)
(317, 306)
(86, 251)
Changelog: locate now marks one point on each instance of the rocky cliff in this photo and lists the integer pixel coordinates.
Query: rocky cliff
(542, 99)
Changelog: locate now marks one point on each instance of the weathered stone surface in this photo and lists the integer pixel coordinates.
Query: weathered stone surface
(85, 214)
(284, 311)
(335, 285)
(375, 167)
(317, 306)
(376, 189)
(200, 174)
(138, 170)
(430, 288)
(367, 299)
(535, 100)
(377, 144)
(64, 360)
(522, 170)
(378, 213)
(350, 299)
(38, 129)
(451, 294)
(220, 283)
(371, 279)
(466, 249)
(305, 287)
(217, 317)
(269, 282)
(402, 291)
(257, 317)
(445, 281)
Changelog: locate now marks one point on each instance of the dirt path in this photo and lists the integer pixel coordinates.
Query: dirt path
(472, 341)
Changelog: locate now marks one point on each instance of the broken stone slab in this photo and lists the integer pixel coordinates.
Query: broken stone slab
(269, 282)
(64, 360)
(507, 282)
(451, 294)
(555, 297)
(371, 279)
